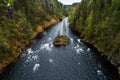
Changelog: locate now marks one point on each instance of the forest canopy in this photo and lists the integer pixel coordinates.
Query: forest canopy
(19, 19)
(98, 22)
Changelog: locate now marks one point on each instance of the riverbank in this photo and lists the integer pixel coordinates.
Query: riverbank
(96, 49)
(7, 60)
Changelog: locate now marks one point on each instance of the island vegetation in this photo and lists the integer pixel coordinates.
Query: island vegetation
(61, 40)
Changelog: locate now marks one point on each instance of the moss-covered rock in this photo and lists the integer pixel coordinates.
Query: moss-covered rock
(61, 41)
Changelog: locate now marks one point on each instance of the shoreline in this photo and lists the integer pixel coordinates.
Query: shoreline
(5, 65)
(92, 46)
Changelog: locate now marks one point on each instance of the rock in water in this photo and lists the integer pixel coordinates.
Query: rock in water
(61, 41)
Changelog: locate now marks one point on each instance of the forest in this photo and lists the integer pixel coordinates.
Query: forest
(21, 21)
(25, 56)
(98, 23)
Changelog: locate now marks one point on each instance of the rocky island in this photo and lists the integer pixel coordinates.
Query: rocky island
(61, 39)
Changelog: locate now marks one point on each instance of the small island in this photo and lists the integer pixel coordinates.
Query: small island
(61, 39)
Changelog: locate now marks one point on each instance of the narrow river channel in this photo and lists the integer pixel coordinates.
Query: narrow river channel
(41, 60)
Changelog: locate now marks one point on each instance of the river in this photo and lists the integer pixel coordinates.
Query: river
(41, 60)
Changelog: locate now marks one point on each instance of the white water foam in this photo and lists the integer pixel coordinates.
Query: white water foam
(31, 58)
(77, 46)
(88, 50)
(51, 45)
(99, 72)
(71, 39)
(78, 40)
(46, 47)
(36, 67)
(31, 55)
(79, 50)
(35, 57)
(51, 60)
(29, 51)
(49, 39)
(79, 63)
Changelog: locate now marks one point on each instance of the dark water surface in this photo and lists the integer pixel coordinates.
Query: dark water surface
(42, 61)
